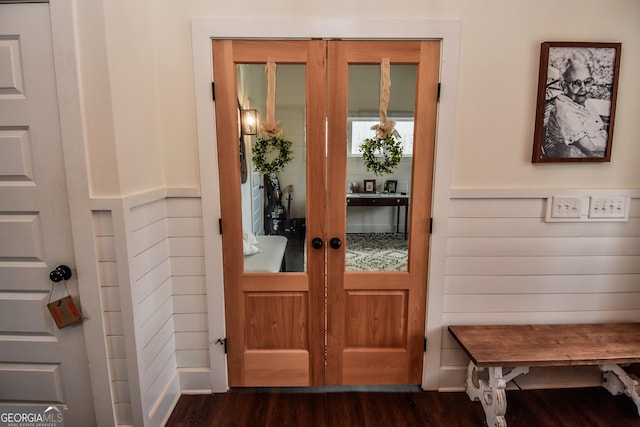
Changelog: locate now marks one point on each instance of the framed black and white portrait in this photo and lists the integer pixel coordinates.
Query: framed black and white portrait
(577, 88)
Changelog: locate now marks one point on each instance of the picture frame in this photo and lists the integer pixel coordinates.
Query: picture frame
(391, 185)
(369, 186)
(576, 102)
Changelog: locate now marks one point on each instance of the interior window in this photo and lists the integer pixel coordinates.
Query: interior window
(359, 129)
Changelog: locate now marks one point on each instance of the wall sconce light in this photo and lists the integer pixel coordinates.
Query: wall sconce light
(249, 122)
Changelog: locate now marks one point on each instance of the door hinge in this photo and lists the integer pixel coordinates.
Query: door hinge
(438, 96)
(213, 91)
(220, 225)
(222, 342)
(430, 225)
(425, 344)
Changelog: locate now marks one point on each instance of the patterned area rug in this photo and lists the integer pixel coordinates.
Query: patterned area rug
(376, 252)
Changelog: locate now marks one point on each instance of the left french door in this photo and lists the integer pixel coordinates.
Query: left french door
(275, 321)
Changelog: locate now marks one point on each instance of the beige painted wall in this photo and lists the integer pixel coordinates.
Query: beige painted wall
(119, 87)
(140, 111)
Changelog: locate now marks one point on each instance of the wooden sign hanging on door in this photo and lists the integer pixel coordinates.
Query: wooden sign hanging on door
(64, 312)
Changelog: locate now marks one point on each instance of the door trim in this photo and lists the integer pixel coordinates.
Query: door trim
(64, 38)
(203, 31)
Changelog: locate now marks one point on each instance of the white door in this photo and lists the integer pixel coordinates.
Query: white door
(38, 362)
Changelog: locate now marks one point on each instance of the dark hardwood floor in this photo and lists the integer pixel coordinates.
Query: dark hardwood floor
(281, 408)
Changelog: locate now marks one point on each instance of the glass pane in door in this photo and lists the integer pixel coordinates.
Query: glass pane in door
(378, 205)
(274, 206)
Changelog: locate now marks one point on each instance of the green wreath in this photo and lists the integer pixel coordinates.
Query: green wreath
(267, 147)
(389, 147)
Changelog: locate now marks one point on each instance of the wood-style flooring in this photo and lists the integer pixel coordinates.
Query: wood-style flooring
(584, 407)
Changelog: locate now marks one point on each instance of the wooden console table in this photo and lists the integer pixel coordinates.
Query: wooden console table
(519, 347)
(383, 199)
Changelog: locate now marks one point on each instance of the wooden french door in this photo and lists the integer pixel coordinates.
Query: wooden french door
(376, 320)
(325, 322)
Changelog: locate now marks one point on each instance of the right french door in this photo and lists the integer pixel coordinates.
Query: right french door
(351, 310)
(376, 313)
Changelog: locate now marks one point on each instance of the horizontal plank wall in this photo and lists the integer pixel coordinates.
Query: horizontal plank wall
(502, 264)
(186, 246)
(150, 253)
(505, 265)
(152, 302)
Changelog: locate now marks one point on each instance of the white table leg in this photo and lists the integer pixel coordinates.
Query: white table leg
(491, 393)
(618, 381)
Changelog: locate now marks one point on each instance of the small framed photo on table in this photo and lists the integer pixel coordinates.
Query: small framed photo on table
(391, 185)
(369, 186)
(577, 89)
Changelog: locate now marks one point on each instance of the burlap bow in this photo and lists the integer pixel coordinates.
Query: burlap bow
(385, 129)
(271, 126)
(271, 129)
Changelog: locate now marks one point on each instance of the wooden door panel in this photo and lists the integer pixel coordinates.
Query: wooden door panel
(277, 368)
(285, 314)
(281, 51)
(371, 52)
(274, 282)
(376, 319)
(379, 280)
(378, 366)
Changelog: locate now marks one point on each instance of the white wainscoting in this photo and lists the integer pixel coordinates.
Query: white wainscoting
(501, 264)
(186, 243)
(505, 265)
(156, 322)
(152, 303)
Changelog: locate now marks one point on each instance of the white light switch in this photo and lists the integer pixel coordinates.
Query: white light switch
(566, 207)
(608, 207)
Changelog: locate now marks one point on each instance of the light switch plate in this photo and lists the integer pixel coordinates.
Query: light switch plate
(608, 207)
(587, 208)
(566, 207)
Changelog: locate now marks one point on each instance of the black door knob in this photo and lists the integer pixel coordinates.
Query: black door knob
(335, 243)
(316, 243)
(62, 272)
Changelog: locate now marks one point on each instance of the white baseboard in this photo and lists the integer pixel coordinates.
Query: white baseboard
(163, 407)
(195, 380)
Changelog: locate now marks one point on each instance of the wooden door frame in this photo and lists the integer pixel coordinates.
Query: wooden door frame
(203, 31)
